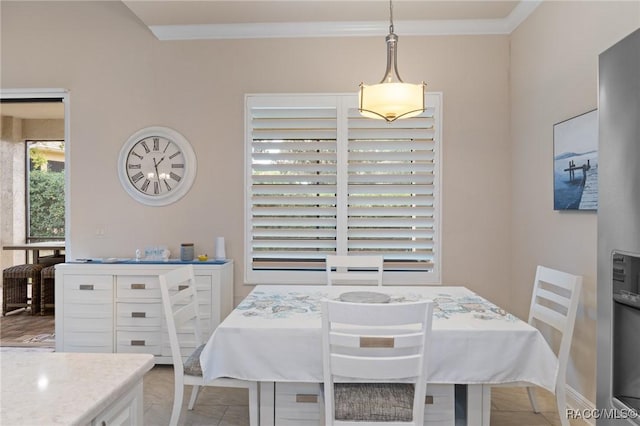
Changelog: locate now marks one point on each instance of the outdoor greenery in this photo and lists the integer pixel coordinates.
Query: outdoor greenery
(46, 195)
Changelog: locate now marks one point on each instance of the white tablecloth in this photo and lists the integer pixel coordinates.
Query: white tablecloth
(275, 335)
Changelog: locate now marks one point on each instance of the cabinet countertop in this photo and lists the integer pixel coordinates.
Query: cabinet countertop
(58, 388)
(124, 261)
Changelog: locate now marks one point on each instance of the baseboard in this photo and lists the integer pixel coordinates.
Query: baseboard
(577, 401)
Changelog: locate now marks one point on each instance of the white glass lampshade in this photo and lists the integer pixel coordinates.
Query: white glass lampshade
(390, 101)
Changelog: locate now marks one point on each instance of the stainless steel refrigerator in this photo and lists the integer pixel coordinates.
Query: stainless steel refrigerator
(618, 376)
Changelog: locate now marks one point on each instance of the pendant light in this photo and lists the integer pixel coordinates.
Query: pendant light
(391, 99)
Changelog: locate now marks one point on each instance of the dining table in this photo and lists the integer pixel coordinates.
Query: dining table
(35, 247)
(274, 335)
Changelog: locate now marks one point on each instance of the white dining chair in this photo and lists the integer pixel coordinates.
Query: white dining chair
(354, 270)
(375, 362)
(554, 304)
(180, 302)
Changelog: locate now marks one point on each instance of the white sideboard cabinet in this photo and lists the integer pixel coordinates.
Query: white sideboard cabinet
(103, 307)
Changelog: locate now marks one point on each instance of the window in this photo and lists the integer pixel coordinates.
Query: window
(45, 190)
(322, 180)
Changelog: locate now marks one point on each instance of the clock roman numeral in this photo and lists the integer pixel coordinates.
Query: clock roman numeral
(134, 166)
(145, 146)
(137, 155)
(167, 185)
(156, 187)
(177, 166)
(135, 178)
(175, 177)
(165, 148)
(145, 185)
(156, 144)
(174, 155)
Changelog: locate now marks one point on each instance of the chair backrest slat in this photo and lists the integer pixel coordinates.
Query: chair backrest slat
(346, 366)
(376, 338)
(549, 317)
(184, 314)
(354, 270)
(558, 299)
(392, 314)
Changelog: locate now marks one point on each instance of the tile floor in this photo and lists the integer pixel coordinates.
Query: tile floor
(229, 406)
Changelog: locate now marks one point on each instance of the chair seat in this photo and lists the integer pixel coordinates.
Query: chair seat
(192, 365)
(15, 280)
(48, 285)
(380, 402)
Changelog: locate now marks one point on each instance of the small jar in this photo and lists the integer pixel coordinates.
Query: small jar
(186, 252)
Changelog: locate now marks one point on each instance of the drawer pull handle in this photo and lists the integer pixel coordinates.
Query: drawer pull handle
(137, 343)
(428, 400)
(306, 397)
(86, 286)
(138, 286)
(138, 314)
(182, 287)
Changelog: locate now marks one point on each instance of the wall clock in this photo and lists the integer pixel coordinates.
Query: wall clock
(157, 166)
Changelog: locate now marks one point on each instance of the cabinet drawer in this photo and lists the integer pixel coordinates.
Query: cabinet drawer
(439, 406)
(138, 286)
(301, 404)
(87, 324)
(148, 342)
(88, 317)
(139, 315)
(89, 340)
(126, 410)
(88, 289)
(298, 404)
(96, 349)
(88, 310)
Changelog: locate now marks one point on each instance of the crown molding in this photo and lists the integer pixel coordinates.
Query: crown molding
(346, 29)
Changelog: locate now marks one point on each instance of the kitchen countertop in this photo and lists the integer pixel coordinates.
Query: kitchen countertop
(61, 388)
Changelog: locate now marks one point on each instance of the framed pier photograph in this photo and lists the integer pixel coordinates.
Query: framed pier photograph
(575, 163)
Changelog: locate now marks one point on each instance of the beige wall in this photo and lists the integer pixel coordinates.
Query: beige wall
(121, 79)
(554, 63)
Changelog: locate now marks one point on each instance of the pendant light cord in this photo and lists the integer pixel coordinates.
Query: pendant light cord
(391, 16)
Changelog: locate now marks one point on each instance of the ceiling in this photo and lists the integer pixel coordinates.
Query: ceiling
(32, 110)
(227, 19)
(219, 19)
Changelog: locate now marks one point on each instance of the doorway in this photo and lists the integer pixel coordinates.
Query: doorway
(34, 153)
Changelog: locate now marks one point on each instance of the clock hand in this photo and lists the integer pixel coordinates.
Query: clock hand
(161, 160)
(156, 167)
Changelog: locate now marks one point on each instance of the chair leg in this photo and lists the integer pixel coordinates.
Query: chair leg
(323, 415)
(178, 392)
(253, 404)
(561, 402)
(194, 395)
(532, 399)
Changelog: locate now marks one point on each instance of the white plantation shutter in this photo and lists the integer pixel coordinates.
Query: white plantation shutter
(391, 190)
(322, 180)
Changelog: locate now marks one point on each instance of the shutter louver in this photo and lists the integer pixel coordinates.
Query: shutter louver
(293, 187)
